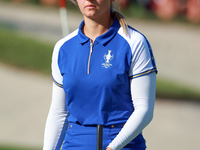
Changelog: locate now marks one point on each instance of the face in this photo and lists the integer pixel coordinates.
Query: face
(94, 8)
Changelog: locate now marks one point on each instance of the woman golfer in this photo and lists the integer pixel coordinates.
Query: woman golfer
(104, 73)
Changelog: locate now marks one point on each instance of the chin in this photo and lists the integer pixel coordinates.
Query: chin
(90, 15)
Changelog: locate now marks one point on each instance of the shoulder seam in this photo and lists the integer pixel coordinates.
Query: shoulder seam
(67, 38)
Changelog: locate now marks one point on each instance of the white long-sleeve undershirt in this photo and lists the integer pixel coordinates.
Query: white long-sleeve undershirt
(143, 96)
(56, 123)
(143, 91)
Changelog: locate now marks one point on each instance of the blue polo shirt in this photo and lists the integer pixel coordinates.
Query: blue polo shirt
(96, 76)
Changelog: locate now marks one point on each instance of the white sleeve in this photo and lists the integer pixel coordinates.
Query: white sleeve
(142, 61)
(56, 74)
(56, 123)
(143, 95)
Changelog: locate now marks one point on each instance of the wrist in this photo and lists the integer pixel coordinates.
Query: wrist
(108, 148)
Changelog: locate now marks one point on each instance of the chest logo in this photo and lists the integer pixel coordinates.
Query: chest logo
(107, 57)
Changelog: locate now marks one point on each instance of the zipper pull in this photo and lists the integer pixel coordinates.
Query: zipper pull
(91, 46)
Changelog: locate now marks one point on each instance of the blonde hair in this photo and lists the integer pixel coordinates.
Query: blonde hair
(115, 14)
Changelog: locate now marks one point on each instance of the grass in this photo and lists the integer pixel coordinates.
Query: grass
(174, 90)
(25, 52)
(7, 147)
(137, 11)
(29, 53)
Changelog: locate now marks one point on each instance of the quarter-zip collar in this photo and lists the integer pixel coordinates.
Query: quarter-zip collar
(104, 38)
(82, 37)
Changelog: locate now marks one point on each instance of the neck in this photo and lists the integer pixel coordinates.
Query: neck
(96, 27)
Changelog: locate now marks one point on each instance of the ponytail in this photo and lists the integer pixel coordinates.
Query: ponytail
(122, 20)
(119, 16)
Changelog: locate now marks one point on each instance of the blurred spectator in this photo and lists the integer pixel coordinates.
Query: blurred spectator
(164, 9)
(181, 6)
(167, 9)
(123, 3)
(193, 10)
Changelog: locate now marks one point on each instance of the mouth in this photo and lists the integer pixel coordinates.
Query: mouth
(90, 6)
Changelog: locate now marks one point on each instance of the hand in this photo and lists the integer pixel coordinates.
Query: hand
(108, 148)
